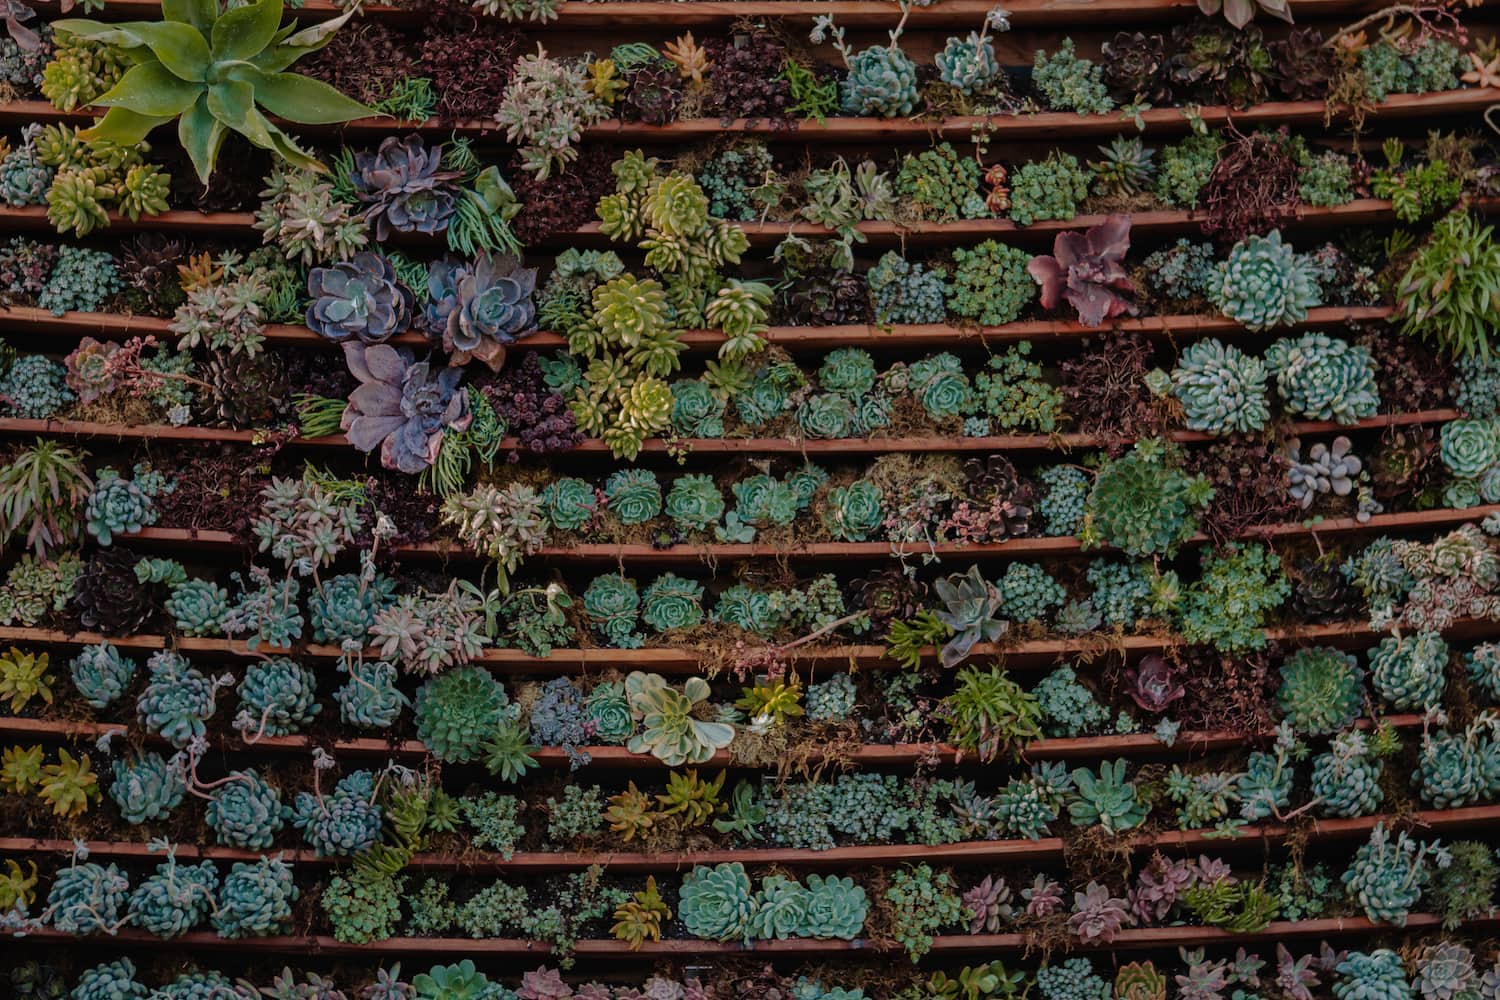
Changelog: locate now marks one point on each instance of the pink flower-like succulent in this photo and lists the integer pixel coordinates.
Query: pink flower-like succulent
(1087, 269)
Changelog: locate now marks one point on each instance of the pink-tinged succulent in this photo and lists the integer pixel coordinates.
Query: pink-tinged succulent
(1297, 977)
(1097, 916)
(1043, 898)
(1157, 887)
(1211, 871)
(988, 904)
(1087, 269)
(1153, 684)
(594, 991)
(544, 984)
(402, 406)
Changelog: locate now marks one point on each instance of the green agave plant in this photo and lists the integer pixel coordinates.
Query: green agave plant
(213, 72)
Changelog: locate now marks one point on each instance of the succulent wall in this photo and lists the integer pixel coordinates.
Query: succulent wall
(696, 501)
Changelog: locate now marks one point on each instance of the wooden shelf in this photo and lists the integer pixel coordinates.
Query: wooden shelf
(1133, 745)
(1050, 125)
(645, 14)
(686, 661)
(20, 426)
(435, 949)
(1046, 849)
(117, 326)
(1144, 225)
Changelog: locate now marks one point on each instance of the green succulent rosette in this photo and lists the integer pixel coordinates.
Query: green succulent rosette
(633, 495)
(853, 512)
(694, 502)
(672, 602)
(571, 503)
(826, 416)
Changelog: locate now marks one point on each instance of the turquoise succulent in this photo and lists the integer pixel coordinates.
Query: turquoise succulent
(694, 502)
(882, 81)
(1410, 671)
(277, 698)
(716, 903)
(852, 513)
(672, 603)
(101, 673)
(1265, 283)
(246, 812)
(145, 787)
(612, 606)
(1221, 388)
(571, 503)
(458, 710)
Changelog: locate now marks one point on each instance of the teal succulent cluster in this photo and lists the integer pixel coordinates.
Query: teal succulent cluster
(694, 503)
(1065, 501)
(1431, 64)
(35, 388)
(1181, 271)
(1410, 671)
(178, 699)
(938, 185)
(939, 384)
(119, 506)
(1143, 504)
(832, 700)
(718, 904)
(101, 674)
(1048, 189)
(176, 899)
(1067, 707)
(1028, 593)
(968, 63)
(697, 409)
(1372, 975)
(1237, 586)
(1068, 83)
(343, 824)
(88, 899)
(882, 82)
(612, 605)
(198, 607)
(671, 602)
(1221, 388)
(1324, 378)
(245, 811)
(113, 980)
(903, 292)
(342, 608)
(633, 495)
(370, 699)
(1455, 770)
(570, 503)
(256, 899)
(1388, 874)
(1470, 450)
(1264, 283)
(81, 281)
(146, 787)
(277, 697)
(1347, 777)
(853, 513)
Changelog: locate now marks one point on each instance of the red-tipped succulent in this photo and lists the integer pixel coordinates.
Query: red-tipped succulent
(1153, 684)
(1087, 269)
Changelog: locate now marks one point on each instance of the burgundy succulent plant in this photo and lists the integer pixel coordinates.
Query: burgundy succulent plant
(1153, 684)
(1087, 269)
(402, 406)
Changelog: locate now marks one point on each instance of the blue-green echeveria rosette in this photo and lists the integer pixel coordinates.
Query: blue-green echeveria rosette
(277, 697)
(612, 604)
(826, 416)
(764, 501)
(882, 81)
(849, 371)
(1265, 283)
(836, 907)
(1324, 378)
(101, 673)
(672, 602)
(766, 398)
(246, 812)
(608, 710)
(697, 411)
(571, 503)
(852, 513)
(745, 608)
(938, 382)
(1221, 388)
(146, 787)
(716, 904)
(633, 495)
(1469, 448)
(806, 481)
(117, 506)
(358, 299)
(694, 502)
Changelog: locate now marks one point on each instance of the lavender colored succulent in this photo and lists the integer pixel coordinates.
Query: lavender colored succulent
(403, 406)
(1153, 684)
(404, 188)
(360, 298)
(479, 308)
(1086, 269)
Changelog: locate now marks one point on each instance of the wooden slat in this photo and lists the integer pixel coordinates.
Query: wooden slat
(1050, 125)
(116, 326)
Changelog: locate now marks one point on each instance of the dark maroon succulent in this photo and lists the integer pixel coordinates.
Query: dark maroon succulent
(110, 598)
(887, 595)
(1135, 67)
(1153, 684)
(537, 416)
(652, 95)
(1303, 63)
(1087, 269)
